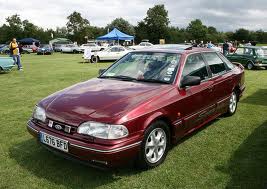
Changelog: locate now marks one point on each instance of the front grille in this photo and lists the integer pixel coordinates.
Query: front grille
(61, 127)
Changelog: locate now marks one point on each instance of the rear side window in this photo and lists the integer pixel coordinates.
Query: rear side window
(217, 66)
(195, 66)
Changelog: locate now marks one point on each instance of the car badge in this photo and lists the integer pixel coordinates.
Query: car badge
(58, 127)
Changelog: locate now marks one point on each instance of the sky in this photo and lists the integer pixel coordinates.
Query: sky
(225, 15)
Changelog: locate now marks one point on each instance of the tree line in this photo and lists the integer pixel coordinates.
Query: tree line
(155, 26)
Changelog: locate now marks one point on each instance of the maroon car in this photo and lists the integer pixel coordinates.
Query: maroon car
(138, 107)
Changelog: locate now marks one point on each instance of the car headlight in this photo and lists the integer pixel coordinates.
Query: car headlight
(39, 114)
(104, 131)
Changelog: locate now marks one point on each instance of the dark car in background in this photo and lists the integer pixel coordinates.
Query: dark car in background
(139, 106)
(4, 49)
(250, 56)
(45, 49)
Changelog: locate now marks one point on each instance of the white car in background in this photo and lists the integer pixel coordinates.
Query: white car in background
(70, 48)
(141, 46)
(92, 46)
(111, 53)
(215, 48)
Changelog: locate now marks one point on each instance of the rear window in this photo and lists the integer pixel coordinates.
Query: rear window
(217, 66)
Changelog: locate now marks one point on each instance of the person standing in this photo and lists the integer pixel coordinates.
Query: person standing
(225, 48)
(14, 51)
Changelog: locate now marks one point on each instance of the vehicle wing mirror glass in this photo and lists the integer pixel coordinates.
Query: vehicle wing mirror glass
(190, 81)
(100, 71)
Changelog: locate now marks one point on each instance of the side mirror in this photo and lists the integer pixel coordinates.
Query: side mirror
(100, 71)
(190, 81)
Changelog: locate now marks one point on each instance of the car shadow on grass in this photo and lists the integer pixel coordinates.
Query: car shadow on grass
(42, 163)
(248, 164)
(257, 98)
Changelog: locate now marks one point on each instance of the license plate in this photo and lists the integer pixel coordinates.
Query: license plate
(54, 142)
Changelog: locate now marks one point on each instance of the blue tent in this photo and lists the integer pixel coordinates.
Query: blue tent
(116, 34)
(28, 41)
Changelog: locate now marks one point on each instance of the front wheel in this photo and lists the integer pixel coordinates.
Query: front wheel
(250, 66)
(155, 145)
(232, 104)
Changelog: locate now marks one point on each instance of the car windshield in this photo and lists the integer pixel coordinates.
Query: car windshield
(156, 67)
(262, 52)
(44, 46)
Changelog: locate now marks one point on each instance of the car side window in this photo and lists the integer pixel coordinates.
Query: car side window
(114, 49)
(239, 51)
(248, 51)
(217, 66)
(121, 49)
(195, 66)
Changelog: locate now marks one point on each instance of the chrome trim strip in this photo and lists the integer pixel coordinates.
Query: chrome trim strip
(28, 125)
(106, 151)
(224, 99)
(177, 122)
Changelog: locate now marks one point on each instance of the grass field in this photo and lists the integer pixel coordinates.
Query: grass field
(228, 153)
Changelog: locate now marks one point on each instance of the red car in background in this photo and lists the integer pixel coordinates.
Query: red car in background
(138, 107)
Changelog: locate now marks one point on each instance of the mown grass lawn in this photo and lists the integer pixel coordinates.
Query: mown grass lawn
(228, 153)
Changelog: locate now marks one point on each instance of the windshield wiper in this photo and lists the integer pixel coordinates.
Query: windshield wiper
(154, 81)
(121, 77)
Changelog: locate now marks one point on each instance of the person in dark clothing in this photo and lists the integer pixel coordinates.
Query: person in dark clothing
(225, 48)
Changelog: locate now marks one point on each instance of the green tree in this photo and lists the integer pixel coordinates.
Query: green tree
(78, 27)
(156, 23)
(14, 27)
(142, 32)
(241, 35)
(197, 30)
(122, 25)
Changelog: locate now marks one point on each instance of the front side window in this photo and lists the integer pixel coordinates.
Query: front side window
(217, 66)
(261, 52)
(195, 66)
(248, 51)
(145, 67)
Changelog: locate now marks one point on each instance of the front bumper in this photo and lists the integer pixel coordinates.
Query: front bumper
(8, 68)
(260, 65)
(112, 156)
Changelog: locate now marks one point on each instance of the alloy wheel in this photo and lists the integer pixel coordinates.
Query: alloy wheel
(233, 102)
(155, 145)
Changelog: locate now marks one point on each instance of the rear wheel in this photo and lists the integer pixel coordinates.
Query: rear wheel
(232, 104)
(155, 145)
(94, 59)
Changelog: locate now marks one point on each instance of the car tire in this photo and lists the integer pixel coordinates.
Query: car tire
(155, 145)
(250, 65)
(74, 51)
(232, 106)
(94, 59)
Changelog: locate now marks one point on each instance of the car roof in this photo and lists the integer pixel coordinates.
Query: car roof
(175, 48)
(251, 47)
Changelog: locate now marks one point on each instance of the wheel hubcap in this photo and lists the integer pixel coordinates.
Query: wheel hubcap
(250, 66)
(232, 105)
(155, 145)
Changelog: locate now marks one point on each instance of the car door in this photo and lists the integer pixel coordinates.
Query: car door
(114, 53)
(222, 78)
(195, 105)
